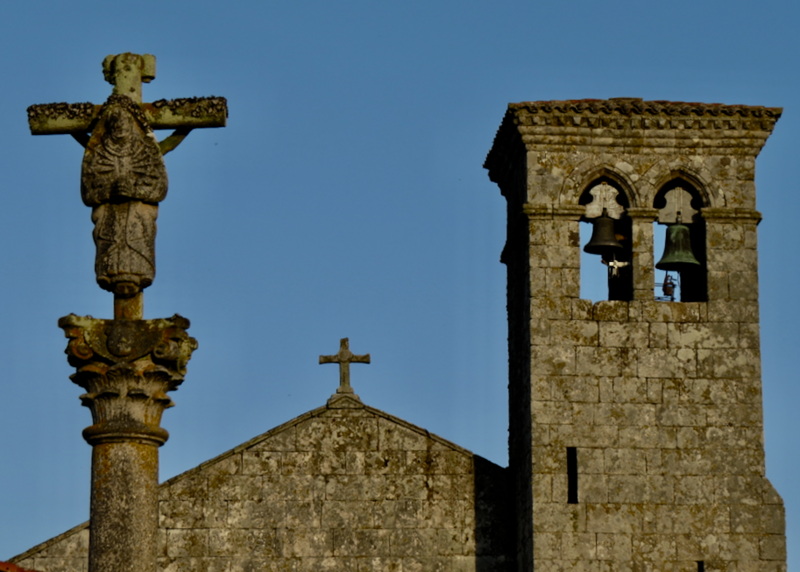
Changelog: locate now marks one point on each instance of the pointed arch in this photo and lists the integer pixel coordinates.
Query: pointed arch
(585, 176)
(620, 281)
(692, 278)
(693, 180)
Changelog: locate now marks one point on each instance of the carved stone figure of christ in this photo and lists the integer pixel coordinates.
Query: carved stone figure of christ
(123, 179)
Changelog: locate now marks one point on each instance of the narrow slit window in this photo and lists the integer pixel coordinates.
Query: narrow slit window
(572, 476)
(701, 566)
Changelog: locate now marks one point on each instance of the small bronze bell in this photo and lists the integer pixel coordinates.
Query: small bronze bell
(604, 240)
(678, 253)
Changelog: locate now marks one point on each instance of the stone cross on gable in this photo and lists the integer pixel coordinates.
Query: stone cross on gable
(123, 177)
(344, 358)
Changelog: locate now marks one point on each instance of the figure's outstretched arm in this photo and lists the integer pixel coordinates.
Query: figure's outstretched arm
(174, 140)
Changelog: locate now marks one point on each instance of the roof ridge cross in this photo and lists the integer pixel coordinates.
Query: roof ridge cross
(344, 357)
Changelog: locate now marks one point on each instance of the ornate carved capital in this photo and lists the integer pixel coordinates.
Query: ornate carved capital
(127, 367)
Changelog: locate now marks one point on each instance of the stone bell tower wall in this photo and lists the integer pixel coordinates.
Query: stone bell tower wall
(636, 432)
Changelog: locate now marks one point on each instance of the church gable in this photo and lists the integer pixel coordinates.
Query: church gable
(342, 487)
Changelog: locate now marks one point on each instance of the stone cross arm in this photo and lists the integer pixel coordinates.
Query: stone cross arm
(77, 118)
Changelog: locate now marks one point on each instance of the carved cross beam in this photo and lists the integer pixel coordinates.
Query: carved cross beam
(74, 118)
(126, 72)
(123, 177)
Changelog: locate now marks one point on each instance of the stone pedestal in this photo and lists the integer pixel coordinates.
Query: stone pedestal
(126, 368)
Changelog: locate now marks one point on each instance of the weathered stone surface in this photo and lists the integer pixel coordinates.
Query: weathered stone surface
(635, 438)
(661, 400)
(127, 367)
(123, 177)
(338, 488)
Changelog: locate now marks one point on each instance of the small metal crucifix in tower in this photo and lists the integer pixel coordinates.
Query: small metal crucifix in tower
(123, 177)
(344, 358)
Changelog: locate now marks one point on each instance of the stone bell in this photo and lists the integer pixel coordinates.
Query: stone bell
(678, 253)
(604, 240)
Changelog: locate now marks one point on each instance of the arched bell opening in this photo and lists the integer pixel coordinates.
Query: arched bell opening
(606, 245)
(680, 244)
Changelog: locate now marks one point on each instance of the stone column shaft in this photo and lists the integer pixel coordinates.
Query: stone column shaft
(124, 507)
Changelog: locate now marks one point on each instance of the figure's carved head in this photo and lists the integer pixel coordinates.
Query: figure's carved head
(119, 125)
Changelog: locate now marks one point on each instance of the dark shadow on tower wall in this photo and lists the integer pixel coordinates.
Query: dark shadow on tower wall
(494, 518)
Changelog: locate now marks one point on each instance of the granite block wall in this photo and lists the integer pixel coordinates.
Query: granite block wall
(665, 416)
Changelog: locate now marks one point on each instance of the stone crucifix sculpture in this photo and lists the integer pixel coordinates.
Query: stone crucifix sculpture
(127, 364)
(123, 177)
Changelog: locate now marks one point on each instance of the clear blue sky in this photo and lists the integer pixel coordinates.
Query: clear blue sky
(345, 198)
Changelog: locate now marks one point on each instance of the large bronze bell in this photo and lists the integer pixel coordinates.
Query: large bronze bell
(678, 253)
(604, 240)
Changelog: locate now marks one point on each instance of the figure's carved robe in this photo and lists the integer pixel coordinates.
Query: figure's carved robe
(123, 179)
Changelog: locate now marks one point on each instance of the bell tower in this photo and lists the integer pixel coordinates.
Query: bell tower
(636, 430)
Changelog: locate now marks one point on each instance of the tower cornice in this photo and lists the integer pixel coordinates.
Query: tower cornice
(629, 125)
